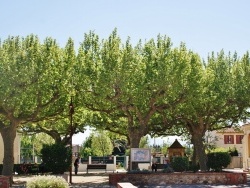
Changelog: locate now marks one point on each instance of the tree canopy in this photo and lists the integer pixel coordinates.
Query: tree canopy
(133, 90)
(33, 86)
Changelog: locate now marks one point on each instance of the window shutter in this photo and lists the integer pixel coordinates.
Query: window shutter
(225, 139)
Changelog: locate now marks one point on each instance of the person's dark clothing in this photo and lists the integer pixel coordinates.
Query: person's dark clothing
(154, 167)
(41, 167)
(154, 162)
(76, 165)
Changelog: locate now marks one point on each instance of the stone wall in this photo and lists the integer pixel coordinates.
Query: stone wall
(4, 182)
(224, 178)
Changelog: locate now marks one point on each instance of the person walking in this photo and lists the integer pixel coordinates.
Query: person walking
(154, 163)
(76, 164)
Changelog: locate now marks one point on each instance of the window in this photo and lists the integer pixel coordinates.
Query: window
(228, 139)
(239, 139)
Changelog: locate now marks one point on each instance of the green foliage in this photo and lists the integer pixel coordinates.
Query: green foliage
(47, 182)
(30, 168)
(179, 164)
(30, 143)
(168, 170)
(164, 148)
(33, 79)
(218, 160)
(233, 152)
(193, 167)
(101, 144)
(57, 158)
(219, 149)
(169, 86)
(144, 143)
(86, 149)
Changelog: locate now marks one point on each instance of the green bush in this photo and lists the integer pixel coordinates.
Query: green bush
(17, 169)
(218, 160)
(233, 152)
(57, 158)
(179, 164)
(168, 170)
(47, 182)
(193, 167)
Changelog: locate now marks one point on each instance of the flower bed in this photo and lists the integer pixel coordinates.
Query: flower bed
(211, 178)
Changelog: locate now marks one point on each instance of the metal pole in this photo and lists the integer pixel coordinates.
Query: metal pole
(71, 111)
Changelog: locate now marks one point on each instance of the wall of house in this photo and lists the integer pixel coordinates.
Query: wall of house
(17, 143)
(246, 144)
(218, 138)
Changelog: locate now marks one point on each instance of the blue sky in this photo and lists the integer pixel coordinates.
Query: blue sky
(204, 26)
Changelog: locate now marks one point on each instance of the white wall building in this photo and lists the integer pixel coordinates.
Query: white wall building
(246, 147)
(227, 138)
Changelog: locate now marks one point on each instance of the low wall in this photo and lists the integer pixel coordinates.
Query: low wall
(4, 182)
(211, 178)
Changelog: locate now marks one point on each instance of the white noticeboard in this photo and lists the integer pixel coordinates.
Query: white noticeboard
(139, 155)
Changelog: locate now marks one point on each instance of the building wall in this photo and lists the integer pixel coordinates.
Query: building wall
(17, 142)
(218, 137)
(246, 144)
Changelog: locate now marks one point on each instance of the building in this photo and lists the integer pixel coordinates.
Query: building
(176, 150)
(246, 147)
(17, 143)
(229, 138)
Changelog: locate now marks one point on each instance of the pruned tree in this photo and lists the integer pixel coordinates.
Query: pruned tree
(217, 98)
(33, 84)
(132, 84)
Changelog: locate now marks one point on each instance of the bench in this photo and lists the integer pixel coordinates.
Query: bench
(160, 166)
(96, 166)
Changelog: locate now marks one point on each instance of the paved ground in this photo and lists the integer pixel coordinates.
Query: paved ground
(100, 179)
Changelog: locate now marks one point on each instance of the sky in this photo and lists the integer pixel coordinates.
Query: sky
(204, 26)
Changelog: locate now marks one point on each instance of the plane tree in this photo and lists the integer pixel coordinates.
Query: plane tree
(132, 83)
(59, 130)
(33, 87)
(58, 127)
(217, 99)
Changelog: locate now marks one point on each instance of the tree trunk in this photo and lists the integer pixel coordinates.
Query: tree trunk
(200, 150)
(135, 135)
(194, 157)
(8, 135)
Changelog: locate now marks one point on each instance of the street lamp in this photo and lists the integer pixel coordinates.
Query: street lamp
(71, 112)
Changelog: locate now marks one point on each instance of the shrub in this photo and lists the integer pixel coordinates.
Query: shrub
(193, 167)
(57, 158)
(179, 164)
(168, 170)
(218, 160)
(47, 182)
(233, 152)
